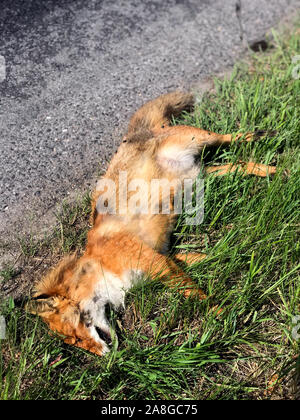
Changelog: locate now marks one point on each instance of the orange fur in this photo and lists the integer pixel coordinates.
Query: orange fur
(71, 298)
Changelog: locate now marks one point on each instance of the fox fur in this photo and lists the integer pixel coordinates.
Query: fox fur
(125, 247)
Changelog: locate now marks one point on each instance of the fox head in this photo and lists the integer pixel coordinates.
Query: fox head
(54, 302)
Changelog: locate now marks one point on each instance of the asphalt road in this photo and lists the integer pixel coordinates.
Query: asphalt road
(76, 69)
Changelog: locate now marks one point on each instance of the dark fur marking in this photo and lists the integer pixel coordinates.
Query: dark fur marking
(95, 299)
(140, 136)
(85, 318)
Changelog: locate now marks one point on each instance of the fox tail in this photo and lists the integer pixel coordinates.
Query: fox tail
(159, 111)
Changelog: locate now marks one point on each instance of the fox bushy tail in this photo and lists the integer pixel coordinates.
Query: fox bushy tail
(159, 111)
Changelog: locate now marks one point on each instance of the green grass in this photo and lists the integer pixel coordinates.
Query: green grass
(171, 348)
(7, 273)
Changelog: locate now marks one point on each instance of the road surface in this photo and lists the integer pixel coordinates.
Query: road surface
(76, 69)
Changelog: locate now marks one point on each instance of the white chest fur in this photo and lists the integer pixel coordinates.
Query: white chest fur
(109, 289)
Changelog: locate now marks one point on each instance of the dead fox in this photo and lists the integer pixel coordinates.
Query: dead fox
(125, 245)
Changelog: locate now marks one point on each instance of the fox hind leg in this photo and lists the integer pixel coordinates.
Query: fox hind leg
(189, 258)
(192, 136)
(245, 168)
(180, 146)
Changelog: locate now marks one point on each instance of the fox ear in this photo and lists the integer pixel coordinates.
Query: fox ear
(41, 305)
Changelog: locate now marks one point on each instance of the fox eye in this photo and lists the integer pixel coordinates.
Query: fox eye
(43, 296)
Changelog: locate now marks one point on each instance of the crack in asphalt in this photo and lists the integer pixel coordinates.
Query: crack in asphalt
(238, 11)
